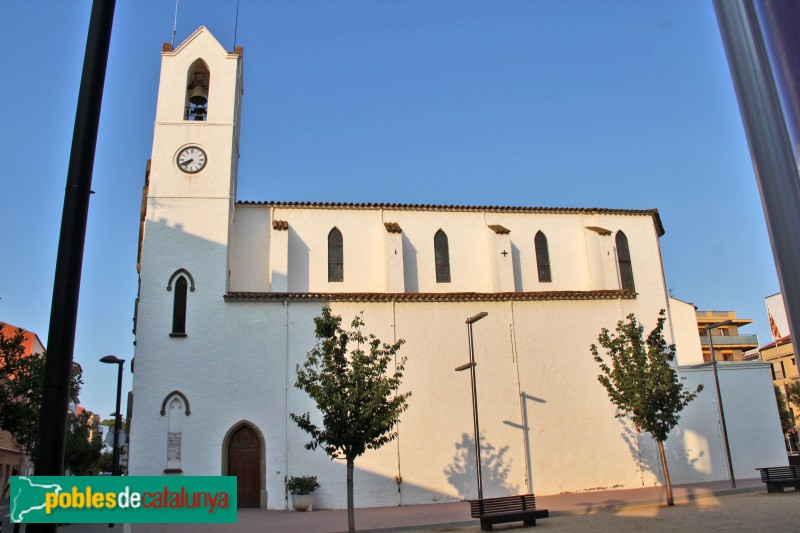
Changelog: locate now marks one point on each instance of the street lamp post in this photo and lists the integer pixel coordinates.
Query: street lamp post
(113, 360)
(719, 397)
(471, 366)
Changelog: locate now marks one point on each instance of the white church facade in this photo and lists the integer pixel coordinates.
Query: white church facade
(229, 289)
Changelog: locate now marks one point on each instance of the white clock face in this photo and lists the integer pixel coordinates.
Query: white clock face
(191, 159)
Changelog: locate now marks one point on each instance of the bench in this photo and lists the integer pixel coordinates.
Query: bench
(520, 508)
(777, 477)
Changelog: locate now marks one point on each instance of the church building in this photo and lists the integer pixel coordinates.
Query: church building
(228, 290)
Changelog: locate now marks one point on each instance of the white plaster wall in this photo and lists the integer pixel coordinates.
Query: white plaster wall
(574, 443)
(580, 259)
(776, 306)
(695, 449)
(363, 244)
(395, 272)
(249, 250)
(687, 341)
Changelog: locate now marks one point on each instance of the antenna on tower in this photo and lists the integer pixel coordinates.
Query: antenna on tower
(236, 25)
(175, 24)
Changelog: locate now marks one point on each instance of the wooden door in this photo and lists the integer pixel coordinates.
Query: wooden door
(244, 462)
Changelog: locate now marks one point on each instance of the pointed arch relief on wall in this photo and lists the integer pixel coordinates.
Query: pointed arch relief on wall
(178, 273)
(170, 395)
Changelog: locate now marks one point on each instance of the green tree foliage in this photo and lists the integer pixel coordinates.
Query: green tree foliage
(21, 383)
(348, 376)
(82, 455)
(638, 375)
(783, 411)
(793, 392)
(106, 462)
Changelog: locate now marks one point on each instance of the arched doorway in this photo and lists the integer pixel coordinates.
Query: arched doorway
(244, 462)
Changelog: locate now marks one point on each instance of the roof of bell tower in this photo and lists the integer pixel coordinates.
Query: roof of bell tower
(200, 33)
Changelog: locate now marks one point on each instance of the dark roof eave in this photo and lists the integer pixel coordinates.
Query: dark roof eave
(430, 297)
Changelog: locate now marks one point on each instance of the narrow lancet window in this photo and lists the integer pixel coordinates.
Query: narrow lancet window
(442, 253)
(335, 256)
(542, 258)
(624, 261)
(179, 307)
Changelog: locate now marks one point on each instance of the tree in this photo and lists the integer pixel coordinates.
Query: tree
(82, 455)
(21, 384)
(783, 411)
(347, 375)
(106, 462)
(641, 381)
(793, 392)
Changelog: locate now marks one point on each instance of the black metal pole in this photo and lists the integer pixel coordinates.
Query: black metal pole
(476, 425)
(721, 409)
(765, 124)
(64, 310)
(117, 422)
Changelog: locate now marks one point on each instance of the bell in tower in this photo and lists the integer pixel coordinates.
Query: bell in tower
(197, 92)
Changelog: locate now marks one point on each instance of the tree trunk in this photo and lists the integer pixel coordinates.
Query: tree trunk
(670, 501)
(351, 519)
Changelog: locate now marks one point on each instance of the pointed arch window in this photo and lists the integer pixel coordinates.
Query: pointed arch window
(442, 254)
(624, 262)
(183, 283)
(197, 87)
(542, 258)
(335, 256)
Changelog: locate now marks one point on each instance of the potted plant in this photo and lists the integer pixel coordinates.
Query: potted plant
(302, 490)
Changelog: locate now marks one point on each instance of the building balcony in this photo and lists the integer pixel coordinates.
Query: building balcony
(710, 317)
(716, 315)
(729, 341)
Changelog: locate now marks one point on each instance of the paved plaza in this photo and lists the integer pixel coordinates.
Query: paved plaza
(704, 507)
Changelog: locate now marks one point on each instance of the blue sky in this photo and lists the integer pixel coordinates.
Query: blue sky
(624, 104)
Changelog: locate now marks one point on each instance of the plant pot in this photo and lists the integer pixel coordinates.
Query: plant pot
(302, 502)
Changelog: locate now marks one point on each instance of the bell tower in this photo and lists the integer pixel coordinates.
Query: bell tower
(199, 106)
(184, 239)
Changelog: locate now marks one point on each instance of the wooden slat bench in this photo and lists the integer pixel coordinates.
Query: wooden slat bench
(520, 508)
(777, 477)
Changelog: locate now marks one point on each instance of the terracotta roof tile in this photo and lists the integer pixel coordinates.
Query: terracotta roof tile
(430, 296)
(599, 230)
(10, 331)
(280, 225)
(393, 227)
(500, 230)
(780, 342)
(464, 208)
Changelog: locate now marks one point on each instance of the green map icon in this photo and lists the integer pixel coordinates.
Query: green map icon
(27, 499)
(122, 499)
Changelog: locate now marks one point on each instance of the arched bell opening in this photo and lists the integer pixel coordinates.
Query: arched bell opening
(197, 87)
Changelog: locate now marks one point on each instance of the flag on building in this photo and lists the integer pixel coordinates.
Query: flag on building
(773, 328)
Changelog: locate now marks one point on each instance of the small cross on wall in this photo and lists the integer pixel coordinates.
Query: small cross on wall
(504, 253)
